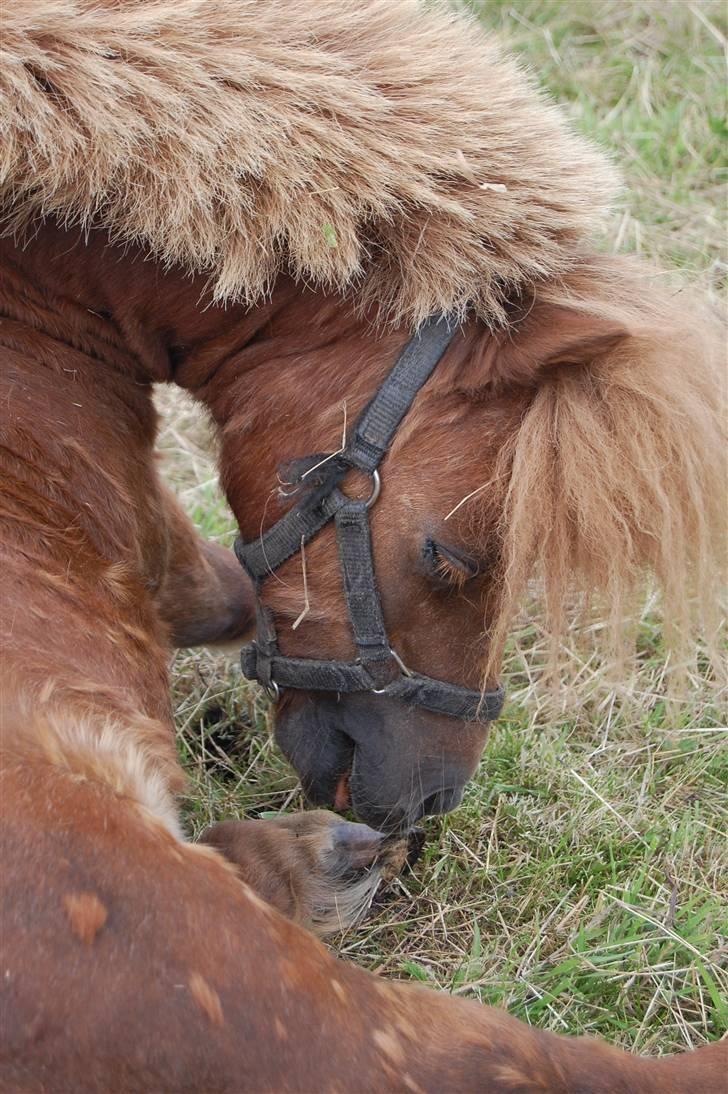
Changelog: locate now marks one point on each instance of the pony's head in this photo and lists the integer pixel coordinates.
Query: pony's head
(582, 444)
(392, 152)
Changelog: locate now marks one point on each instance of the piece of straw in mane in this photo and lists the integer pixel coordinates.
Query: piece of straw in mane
(617, 470)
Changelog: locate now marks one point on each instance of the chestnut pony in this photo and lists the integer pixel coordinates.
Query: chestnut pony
(135, 961)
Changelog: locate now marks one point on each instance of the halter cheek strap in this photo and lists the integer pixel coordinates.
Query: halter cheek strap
(377, 668)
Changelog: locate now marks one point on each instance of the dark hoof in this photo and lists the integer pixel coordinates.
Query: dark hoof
(356, 845)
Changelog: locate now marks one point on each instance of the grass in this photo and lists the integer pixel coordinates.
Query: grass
(646, 80)
(583, 884)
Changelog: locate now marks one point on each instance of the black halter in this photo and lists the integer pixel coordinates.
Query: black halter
(377, 668)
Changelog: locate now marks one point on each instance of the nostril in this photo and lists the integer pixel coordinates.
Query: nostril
(442, 801)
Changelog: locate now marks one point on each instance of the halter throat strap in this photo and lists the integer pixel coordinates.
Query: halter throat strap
(316, 478)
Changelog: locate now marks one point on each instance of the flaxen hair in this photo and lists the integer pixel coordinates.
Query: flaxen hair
(617, 470)
(387, 147)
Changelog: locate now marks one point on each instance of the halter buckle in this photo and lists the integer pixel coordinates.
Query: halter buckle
(402, 668)
(376, 485)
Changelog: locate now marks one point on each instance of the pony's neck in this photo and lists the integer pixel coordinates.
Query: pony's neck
(162, 325)
(112, 302)
(292, 372)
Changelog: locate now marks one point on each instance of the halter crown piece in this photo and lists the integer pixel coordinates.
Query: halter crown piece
(377, 668)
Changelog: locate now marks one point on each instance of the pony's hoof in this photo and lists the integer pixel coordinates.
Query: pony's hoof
(316, 868)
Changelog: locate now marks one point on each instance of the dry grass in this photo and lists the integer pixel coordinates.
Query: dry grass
(584, 882)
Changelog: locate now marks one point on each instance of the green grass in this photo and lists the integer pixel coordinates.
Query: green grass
(646, 80)
(583, 883)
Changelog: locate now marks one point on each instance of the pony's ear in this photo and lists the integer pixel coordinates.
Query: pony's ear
(553, 334)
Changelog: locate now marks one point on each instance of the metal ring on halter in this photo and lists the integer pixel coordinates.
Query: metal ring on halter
(403, 668)
(272, 691)
(376, 490)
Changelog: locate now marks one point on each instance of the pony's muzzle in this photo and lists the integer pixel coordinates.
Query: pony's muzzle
(360, 753)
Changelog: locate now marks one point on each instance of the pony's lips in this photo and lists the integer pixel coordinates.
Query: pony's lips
(342, 797)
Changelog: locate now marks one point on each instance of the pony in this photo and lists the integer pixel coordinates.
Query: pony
(572, 423)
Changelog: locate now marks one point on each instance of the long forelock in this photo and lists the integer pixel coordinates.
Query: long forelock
(615, 476)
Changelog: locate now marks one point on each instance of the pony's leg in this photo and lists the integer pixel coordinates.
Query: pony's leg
(134, 962)
(315, 867)
(204, 596)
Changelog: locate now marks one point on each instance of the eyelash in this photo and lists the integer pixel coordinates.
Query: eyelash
(446, 566)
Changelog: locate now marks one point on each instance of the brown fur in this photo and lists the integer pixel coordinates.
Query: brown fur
(190, 980)
(86, 914)
(354, 144)
(194, 984)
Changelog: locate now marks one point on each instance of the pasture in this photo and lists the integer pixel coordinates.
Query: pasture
(583, 883)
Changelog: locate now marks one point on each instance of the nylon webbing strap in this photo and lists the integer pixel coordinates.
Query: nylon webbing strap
(308, 673)
(266, 645)
(262, 556)
(377, 668)
(443, 698)
(348, 676)
(360, 587)
(379, 422)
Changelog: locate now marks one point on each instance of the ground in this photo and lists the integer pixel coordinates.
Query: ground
(583, 883)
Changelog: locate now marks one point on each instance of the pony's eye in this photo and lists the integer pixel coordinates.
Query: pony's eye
(448, 567)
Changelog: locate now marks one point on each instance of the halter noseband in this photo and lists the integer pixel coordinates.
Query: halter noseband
(377, 668)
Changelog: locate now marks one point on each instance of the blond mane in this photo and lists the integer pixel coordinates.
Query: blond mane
(617, 470)
(391, 149)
